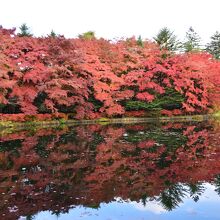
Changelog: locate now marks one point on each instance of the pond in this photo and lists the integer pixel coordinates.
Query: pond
(142, 171)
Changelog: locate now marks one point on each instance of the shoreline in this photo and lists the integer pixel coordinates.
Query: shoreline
(104, 121)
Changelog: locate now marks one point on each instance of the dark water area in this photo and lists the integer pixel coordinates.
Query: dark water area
(110, 172)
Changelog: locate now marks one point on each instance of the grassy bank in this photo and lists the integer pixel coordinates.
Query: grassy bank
(13, 126)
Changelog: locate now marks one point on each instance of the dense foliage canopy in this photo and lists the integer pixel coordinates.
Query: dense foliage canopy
(92, 78)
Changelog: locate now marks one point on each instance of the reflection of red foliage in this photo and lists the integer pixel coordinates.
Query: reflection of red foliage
(52, 170)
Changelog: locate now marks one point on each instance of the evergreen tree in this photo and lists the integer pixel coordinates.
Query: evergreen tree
(214, 46)
(140, 41)
(24, 31)
(52, 34)
(192, 42)
(167, 40)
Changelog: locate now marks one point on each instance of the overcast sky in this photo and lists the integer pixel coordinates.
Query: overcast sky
(112, 18)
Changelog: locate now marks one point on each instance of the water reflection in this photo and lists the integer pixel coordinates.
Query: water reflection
(149, 166)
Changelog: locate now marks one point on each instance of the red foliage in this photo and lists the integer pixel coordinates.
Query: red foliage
(93, 78)
(171, 112)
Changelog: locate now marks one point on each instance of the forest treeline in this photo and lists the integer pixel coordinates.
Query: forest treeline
(90, 78)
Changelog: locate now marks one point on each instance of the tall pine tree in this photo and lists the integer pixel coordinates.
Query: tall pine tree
(214, 46)
(52, 34)
(140, 41)
(167, 40)
(192, 42)
(24, 31)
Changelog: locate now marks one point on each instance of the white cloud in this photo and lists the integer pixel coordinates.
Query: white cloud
(191, 211)
(151, 206)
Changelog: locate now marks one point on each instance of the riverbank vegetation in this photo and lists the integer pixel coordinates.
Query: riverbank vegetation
(46, 78)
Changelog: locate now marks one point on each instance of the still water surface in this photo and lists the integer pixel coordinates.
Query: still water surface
(111, 172)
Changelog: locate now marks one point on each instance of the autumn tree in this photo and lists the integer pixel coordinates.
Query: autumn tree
(97, 78)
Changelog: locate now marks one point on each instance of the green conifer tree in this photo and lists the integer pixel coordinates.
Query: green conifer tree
(214, 46)
(52, 34)
(24, 31)
(140, 41)
(167, 40)
(192, 42)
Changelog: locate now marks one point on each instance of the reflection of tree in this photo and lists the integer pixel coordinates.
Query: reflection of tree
(195, 190)
(143, 199)
(30, 217)
(171, 197)
(57, 213)
(217, 184)
(87, 165)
